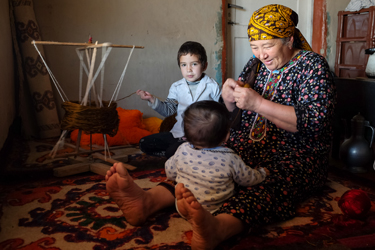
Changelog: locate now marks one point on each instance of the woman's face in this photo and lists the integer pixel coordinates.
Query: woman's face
(274, 53)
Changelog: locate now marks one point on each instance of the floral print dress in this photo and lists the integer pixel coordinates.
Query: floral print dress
(298, 161)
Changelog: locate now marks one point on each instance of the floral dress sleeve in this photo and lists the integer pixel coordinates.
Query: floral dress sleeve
(315, 96)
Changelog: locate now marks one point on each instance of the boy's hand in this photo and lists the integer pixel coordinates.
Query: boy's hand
(145, 95)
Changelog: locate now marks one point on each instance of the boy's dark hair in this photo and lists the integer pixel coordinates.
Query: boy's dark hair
(206, 123)
(193, 48)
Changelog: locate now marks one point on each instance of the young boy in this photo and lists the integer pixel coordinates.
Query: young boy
(194, 86)
(208, 169)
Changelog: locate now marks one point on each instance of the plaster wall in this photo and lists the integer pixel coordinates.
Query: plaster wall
(305, 24)
(161, 26)
(333, 7)
(7, 111)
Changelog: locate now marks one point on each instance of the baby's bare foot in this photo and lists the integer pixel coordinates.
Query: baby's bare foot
(204, 224)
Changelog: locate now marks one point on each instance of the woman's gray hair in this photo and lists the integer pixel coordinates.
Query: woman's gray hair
(296, 42)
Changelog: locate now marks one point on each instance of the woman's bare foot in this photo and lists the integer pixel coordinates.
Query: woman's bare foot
(135, 203)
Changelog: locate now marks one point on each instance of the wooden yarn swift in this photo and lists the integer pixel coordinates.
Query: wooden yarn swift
(74, 120)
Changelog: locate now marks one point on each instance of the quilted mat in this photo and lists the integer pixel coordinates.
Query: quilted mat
(76, 213)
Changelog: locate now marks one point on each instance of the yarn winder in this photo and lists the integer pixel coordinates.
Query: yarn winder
(95, 116)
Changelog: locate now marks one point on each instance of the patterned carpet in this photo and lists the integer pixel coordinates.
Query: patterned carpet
(75, 212)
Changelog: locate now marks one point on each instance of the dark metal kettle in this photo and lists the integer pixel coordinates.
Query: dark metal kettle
(356, 152)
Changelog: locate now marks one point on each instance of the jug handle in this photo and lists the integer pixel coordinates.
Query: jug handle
(372, 135)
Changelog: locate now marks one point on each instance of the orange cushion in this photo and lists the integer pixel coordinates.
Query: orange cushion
(152, 124)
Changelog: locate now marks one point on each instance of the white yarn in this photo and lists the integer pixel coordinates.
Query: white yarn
(101, 65)
(54, 80)
(90, 83)
(82, 66)
(59, 144)
(102, 78)
(118, 86)
(356, 5)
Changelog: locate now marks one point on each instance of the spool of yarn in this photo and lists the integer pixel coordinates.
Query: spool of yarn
(355, 203)
(91, 119)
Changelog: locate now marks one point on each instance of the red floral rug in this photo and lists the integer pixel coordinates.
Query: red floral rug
(76, 213)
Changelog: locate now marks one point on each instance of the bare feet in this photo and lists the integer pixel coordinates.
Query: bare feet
(208, 230)
(135, 203)
(130, 198)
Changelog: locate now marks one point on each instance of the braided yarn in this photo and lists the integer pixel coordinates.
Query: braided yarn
(91, 119)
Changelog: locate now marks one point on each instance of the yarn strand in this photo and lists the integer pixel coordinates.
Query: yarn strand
(100, 67)
(117, 90)
(57, 85)
(89, 80)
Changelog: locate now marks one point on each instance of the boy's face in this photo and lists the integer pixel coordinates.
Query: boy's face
(191, 67)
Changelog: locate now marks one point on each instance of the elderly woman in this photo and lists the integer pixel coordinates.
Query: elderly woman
(282, 122)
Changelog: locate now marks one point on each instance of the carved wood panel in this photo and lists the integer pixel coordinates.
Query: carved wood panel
(355, 34)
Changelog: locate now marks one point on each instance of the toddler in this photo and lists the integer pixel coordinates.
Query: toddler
(208, 169)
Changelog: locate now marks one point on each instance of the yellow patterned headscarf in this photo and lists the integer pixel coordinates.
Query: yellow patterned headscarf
(276, 21)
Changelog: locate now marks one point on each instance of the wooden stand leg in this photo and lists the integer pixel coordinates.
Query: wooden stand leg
(87, 164)
(110, 160)
(71, 169)
(99, 168)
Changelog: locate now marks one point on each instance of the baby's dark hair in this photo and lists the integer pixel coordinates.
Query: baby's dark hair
(192, 48)
(206, 124)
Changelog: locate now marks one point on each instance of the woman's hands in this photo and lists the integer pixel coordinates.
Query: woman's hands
(227, 94)
(247, 98)
(234, 94)
(145, 95)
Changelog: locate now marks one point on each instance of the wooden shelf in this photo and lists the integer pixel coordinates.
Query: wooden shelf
(355, 34)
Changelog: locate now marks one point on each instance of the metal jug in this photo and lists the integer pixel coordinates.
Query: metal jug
(370, 67)
(356, 152)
